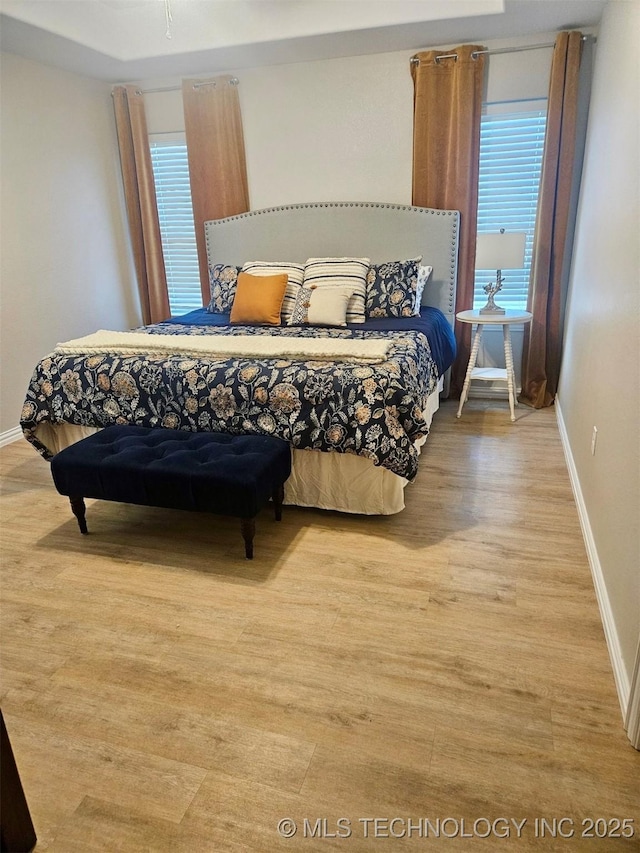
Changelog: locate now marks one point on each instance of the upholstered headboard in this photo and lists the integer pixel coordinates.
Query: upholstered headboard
(381, 232)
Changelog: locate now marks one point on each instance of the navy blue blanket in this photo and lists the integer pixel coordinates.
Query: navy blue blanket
(431, 322)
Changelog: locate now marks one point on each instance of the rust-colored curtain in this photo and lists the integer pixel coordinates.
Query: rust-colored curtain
(446, 153)
(542, 348)
(140, 199)
(217, 167)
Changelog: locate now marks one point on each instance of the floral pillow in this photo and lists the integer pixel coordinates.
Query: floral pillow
(392, 288)
(423, 277)
(332, 272)
(222, 284)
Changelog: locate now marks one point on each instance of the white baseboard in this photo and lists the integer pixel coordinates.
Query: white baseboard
(632, 722)
(620, 675)
(10, 436)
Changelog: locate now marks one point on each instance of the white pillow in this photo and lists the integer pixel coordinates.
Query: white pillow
(423, 277)
(294, 273)
(323, 272)
(322, 306)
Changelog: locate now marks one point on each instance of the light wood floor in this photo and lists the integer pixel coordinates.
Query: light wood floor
(162, 693)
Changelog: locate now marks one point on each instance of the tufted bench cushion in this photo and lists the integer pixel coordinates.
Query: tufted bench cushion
(206, 472)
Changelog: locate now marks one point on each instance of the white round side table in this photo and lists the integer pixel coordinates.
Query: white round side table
(492, 374)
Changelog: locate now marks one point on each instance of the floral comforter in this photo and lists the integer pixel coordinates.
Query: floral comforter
(373, 411)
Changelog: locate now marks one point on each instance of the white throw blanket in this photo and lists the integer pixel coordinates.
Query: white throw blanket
(229, 346)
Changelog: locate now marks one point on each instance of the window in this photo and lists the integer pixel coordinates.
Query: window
(511, 146)
(173, 193)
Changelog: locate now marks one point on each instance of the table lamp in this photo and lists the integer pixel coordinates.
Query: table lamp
(501, 251)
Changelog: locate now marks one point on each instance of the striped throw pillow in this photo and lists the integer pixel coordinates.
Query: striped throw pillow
(295, 274)
(344, 271)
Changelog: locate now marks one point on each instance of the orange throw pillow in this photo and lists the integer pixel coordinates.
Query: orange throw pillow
(259, 299)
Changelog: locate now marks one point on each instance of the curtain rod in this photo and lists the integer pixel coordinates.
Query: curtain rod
(233, 82)
(415, 61)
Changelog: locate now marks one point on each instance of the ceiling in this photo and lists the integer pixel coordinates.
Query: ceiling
(119, 40)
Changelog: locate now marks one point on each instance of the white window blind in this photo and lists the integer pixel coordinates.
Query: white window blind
(511, 146)
(173, 192)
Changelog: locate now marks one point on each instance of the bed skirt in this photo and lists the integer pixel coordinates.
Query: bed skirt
(335, 481)
(348, 483)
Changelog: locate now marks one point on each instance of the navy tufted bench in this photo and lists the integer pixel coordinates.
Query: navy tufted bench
(202, 471)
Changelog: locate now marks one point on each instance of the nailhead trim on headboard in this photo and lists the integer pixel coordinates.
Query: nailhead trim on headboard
(424, 211)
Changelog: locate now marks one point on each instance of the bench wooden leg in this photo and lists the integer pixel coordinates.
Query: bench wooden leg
(248, 528)
(78, 508)
(278, 500)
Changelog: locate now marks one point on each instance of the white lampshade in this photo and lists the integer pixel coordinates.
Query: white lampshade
(503, 251)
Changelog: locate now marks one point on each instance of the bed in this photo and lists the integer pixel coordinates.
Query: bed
(354, 402)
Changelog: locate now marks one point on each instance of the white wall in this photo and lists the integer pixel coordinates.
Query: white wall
(65, 264)
(332, 130)
(341, 129)
(600, 381)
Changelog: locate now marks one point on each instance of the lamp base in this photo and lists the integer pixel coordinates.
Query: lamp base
(491, 309)
(491, 290)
